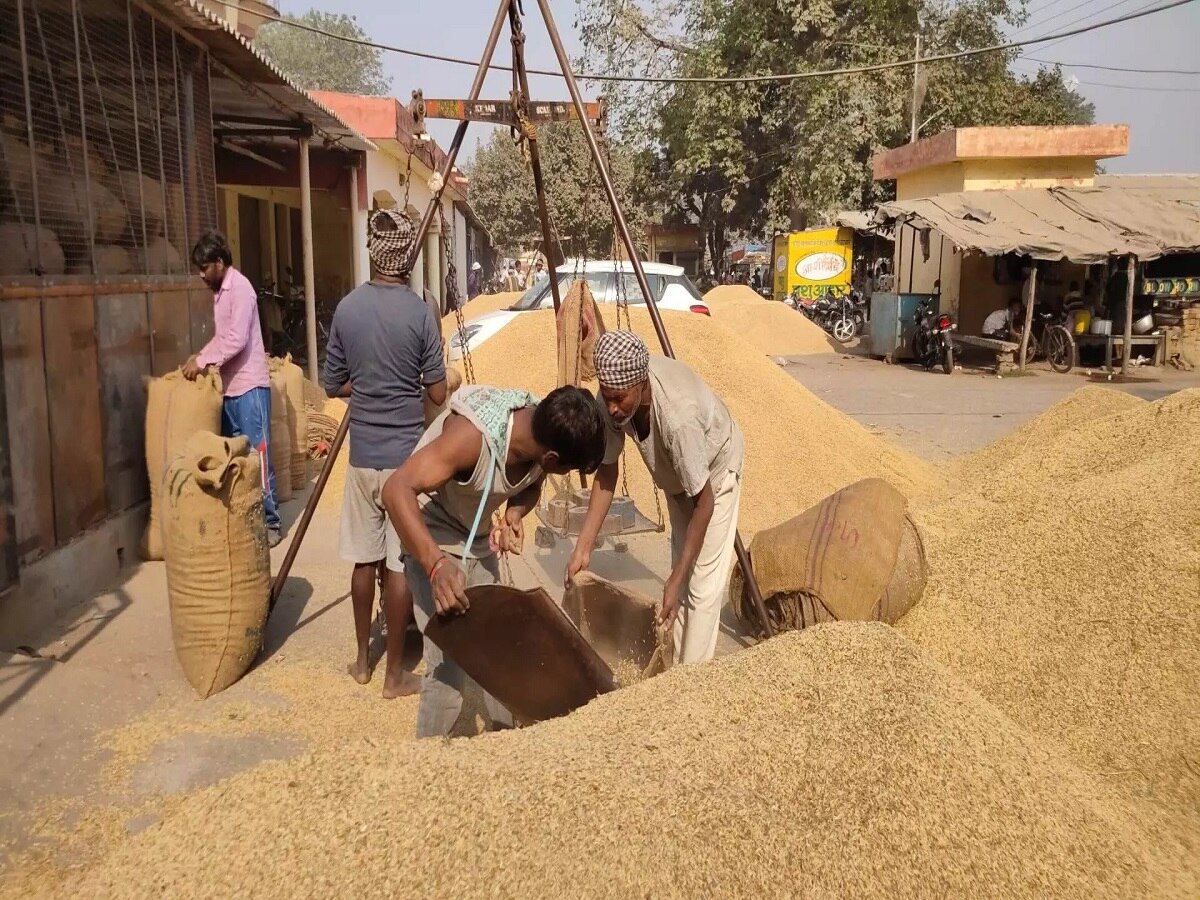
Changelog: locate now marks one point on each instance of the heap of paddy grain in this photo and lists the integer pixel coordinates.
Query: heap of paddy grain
(775, 329)
(1064, 583)
(835, 762)
(481, 305)
(798, 449)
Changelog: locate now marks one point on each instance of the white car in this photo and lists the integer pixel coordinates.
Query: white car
(671, 287)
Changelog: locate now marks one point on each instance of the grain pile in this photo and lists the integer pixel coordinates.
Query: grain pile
(875, 773)
(481, 305)
(1064, 581)
(726, 293)
(798, 449)
(775, 329)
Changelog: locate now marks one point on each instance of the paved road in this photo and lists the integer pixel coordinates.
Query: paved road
(937, 416)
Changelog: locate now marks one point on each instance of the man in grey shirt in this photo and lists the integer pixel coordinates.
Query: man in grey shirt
(385, 348)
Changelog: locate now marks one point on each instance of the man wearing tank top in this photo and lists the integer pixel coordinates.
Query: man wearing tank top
(492, 448)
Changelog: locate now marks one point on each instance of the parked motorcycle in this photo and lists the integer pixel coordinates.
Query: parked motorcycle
(931, 342)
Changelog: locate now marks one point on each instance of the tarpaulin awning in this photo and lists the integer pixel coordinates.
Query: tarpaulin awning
(1080, 224)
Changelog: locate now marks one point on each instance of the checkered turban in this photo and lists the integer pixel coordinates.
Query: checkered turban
(622, 360)
(389, 250)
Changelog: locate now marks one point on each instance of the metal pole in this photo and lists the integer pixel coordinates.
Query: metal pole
(306, 241)
(635, 262)
(912, 131)
(1131, 273)
(1025, 332)
(340, 438)
(356, 236)
(549, 239)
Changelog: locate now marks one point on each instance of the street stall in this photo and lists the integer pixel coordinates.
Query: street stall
(993, 247)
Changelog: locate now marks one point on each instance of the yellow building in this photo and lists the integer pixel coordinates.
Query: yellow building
(984, 159)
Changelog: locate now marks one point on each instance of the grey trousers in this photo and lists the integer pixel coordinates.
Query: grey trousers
(444, 682)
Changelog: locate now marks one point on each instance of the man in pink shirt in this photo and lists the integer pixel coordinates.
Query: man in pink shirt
(236, 349)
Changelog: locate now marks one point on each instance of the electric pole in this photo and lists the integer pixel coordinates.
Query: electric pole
(916, 101)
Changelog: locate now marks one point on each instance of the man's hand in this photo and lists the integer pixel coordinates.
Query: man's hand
(509, 535)
(191, 368)
(450, 589)
(580, 559)
(672, 596)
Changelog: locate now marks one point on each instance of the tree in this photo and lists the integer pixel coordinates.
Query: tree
(752, 158)
(319, 63)
(501, 186)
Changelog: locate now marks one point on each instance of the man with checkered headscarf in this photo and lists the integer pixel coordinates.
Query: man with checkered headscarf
(694, 450)
(384, 353)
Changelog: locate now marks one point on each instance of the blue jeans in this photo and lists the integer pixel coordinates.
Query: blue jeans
(250, 415)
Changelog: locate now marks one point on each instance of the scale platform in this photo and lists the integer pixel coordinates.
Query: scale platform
(563, 517)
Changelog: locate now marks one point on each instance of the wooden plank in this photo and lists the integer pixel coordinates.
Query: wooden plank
(76, 423)
(28, 427)
(200, 309)
(123, 340)
(170, 330)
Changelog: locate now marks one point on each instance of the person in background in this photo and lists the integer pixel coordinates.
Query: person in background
(539, 271)
(236, 350)
(694, 451)
(473, 286)
(756, 281)
(385, 349)
(492, 448)
(1074, 297)
(1006, 324)
(518, 277)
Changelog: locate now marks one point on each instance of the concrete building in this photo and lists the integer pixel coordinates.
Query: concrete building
(985, 159)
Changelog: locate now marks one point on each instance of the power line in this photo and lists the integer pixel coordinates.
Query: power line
(1072, 65)
(738, 79)
(1087, 16)
(1070, 9)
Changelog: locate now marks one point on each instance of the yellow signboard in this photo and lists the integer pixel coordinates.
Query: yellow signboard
(813, 263)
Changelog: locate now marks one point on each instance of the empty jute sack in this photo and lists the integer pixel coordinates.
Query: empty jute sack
(175, 410)
(297, 415)
(218, 562)
(856, 556)
(579, 326)
(281, 434)
(621, 624)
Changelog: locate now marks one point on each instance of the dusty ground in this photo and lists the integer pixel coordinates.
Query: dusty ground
(64, 699)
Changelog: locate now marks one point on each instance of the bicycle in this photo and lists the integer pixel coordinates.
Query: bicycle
(1053, 341)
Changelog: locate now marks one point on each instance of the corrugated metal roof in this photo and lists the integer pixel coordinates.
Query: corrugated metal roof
(234, 52)
(1084, 225)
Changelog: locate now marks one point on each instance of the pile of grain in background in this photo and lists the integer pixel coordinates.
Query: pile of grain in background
(835, 762)
(725, 293)
(775, 329)
(798, 449)
(484, 303)
(1064, 585)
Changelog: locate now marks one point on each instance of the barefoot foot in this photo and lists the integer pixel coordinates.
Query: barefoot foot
(400, 684)
(360, 671)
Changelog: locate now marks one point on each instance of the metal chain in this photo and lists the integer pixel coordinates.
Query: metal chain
(468, 365)
(409, 150)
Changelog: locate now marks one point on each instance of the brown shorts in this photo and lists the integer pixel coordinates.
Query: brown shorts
(366, 535)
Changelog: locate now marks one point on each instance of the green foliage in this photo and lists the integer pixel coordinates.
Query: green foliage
(752, 158)
(319, 63)
(501, 190)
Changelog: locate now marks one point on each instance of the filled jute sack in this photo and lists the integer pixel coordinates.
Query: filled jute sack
(281, 441)
(297, 412)
(856, 556)
(218, 562)
(175, 410)
(579, 326)
(622, 626)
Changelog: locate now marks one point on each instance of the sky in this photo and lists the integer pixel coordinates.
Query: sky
(1162, 111)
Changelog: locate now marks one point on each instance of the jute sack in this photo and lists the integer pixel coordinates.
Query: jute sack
(281, 443)
(175, 410)
(293, 383)
(579, 327)
(621, 624)
(855, 556)
(454, 381)
(218, 564)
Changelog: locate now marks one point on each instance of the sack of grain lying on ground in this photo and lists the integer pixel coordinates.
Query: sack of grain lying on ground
(26, 247)
(839, 561)
(218, 564)
(1063, 585)
(159, 258)
(281, 441)
(297, 415)
(106, 259)
(833, 762)
(175, 410)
